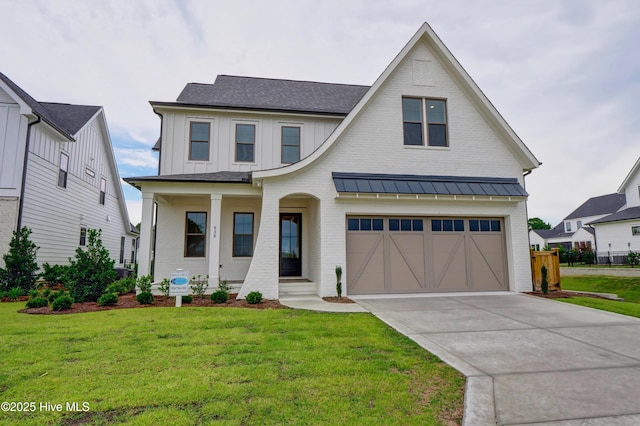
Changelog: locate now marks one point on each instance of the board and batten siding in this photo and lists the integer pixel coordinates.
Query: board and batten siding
(12, 139)
(56, 214)
(267, 149)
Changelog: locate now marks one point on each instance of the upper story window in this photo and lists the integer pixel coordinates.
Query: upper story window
(424, 120)
(290, 144)
(83, 236)
(567, 226)
(199, 141)
(579, 224)
(245, 142)
(103, 190)
(63, 170)
(196, 234)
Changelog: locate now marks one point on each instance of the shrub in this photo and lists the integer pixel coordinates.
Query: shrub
(20, 262)
(54, 295)
(46, 292)
(144, 284)
(15, 293)
(62, 302)
(254, 297)
(633, 258)
(339, 281)
(199, 285)
(219, 296)
(588, 257)
(37, 302)
(224, 285)
(122, 286)
(145, 298)
(187, 299)
(165, 287)
(92, 269)
(108, 299)
(33, 293)
(55, 274)
(544, 286)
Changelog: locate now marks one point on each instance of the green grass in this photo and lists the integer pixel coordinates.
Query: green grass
(626, 287)
(221, 365)
(624, 308)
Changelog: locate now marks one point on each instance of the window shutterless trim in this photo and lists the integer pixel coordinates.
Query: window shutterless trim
(188, 234)
(425, 123)
(63, 172)
(253, 144)
(191, 140)
(282, 144)
(103, 190)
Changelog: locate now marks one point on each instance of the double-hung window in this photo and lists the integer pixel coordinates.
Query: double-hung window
(290, 144)
(199, 141)
(83, 236)
(103, 190)
(245, 142)
(424, 122)
(242, 234)
(196, 234)
(63, 171)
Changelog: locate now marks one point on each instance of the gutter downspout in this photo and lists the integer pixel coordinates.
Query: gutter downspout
(24, 173)
(526, 211)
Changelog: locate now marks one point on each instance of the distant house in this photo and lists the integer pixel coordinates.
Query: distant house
(58, 177)
(619, 232)
(574, 231)
(412, 185)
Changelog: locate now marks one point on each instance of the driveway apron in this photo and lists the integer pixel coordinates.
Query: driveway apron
(528, 360)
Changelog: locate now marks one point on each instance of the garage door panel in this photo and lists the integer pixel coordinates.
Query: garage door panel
(406, 262)
(365, 263)
(449, 262)
(487, 263)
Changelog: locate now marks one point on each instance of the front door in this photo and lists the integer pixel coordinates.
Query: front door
(290, 244)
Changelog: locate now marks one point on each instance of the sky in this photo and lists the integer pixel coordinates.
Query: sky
(564, 74)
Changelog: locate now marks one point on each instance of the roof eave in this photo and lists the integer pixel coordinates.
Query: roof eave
(157, 106)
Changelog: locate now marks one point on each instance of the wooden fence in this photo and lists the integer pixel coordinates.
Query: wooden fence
(551, 260)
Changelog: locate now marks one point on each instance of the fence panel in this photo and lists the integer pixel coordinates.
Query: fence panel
(551, 260)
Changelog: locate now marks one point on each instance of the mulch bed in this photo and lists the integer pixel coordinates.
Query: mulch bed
(335, 299)
(564, 295)
(129, 301)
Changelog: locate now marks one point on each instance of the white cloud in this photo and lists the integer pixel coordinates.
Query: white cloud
(136, 157)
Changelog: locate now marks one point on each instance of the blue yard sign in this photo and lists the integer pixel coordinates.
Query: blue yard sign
(179, 283)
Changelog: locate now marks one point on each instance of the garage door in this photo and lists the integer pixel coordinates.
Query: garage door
(425, 254)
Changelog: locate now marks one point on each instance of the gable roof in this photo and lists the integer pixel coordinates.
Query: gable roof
(271, 94)
(626, 214)
(630, 176)
(66, 119)
(457, 72)
(603, 204)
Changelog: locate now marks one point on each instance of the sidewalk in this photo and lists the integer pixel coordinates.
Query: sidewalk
(613, 271)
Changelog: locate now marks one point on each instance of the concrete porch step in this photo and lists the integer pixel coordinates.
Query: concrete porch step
(292, 288)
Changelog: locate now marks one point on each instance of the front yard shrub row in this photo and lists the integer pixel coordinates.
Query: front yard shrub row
(37, 302)
(145, 298)
(219, 296)
(108, 299)
(254, 297)
(62, 302)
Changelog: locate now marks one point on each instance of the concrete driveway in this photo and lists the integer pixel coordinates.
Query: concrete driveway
(527, 360)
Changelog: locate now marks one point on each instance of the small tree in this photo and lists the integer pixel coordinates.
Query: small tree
(339, 280)
(633, 258)
(91, 271)
(544, 286)
(20, 264)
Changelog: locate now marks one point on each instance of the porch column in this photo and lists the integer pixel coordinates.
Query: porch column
(146, 234)
(214, 238)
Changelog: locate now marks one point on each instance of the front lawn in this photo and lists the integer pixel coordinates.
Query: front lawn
(626, 287)
(235, 366)
(625, 308)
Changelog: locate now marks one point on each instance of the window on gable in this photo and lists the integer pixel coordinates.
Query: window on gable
(635, 230)
(579, 224)
(290, 144)
(567, 226)
(63, 170)
(416, 112)
(245, 142)
(199, 141)
(195, 234)
(83, 236)
(103, 190)
(242, 234)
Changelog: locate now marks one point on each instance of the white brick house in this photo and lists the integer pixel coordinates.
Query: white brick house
(58, 177)
(415, 184)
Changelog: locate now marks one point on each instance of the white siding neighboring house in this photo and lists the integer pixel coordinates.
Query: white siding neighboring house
(412, 185)
(619, 233)
(70, 182)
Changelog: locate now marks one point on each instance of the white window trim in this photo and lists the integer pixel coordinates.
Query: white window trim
(282, 124)
(256, 143)
(187, 137)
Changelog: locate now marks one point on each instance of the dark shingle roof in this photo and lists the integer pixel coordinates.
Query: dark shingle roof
(216, 177)
(70, 118)
(626, 214)
(604, 204)
(415, 184)
(65, 118)
(273, 94)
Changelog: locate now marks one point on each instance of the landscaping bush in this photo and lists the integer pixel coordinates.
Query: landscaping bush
(219, 296)
(37, 302)
(144, 284)
(145, 298)
(187, 299)
(199, 286)
(122, 286)
(20, 263)
(62, 302)
(53, 295)
(254, 297)
(55, 274)
(165, 287)
(108, 299)
(15, 293)
(224, 285)
(588, 257)
(633, 258)
(92, 269)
